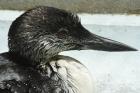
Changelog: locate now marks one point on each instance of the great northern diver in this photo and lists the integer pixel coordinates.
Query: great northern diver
(33, 65)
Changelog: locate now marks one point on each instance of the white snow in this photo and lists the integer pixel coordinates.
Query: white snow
(113, 72)
(109, 19)
(8, 15)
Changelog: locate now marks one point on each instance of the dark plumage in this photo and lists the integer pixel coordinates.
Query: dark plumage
(33, 65)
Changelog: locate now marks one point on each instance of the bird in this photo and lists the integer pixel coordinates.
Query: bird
(33, 63)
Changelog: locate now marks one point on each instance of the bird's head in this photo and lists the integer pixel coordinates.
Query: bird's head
(43, 32)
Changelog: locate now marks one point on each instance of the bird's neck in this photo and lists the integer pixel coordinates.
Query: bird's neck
(38, 51)
(38, 60)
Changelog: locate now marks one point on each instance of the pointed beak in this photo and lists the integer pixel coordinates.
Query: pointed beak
(96, 42)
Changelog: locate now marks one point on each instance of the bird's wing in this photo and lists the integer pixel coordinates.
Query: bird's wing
(16, 78)
(13, 86)
(9, 77)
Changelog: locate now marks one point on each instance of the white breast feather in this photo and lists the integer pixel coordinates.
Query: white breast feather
(75, 75)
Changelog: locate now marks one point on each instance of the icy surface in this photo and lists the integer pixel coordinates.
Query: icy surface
(8, 15)
(113, 72)
(101, 19)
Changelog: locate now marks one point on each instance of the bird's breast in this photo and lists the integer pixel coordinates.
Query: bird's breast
(72, 75)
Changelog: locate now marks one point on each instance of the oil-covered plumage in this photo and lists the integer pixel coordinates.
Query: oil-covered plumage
(33, 65)
(41, 30)
(21, 78)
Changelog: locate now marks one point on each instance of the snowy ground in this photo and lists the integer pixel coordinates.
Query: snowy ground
(116, 72)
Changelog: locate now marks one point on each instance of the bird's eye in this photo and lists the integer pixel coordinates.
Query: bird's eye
(62, 33)
(63, 30)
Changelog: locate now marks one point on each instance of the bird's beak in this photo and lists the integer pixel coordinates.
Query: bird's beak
(96, 42)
